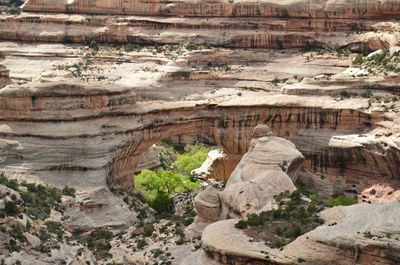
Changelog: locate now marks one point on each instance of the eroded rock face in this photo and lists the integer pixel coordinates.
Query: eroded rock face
(266, 8)
(357, 233)
(149, 160)
(98, 209)
(380, 194)
(4, 75)
(107, 112)
(261, 24)
(262, 173)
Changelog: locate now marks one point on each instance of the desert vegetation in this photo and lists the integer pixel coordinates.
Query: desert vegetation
(159, 186)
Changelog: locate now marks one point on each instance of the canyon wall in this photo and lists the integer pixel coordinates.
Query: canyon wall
(259, 24)
(221, 8)
(101, 133)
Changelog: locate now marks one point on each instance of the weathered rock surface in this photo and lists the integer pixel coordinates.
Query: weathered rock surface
(246, 24)
(86, 117)
(79, 134)
(265, 8)
(359, 234)
(96, 209)
(380, 194)
(149, 160)
(262, 173)
(210, 167)
(4, 76)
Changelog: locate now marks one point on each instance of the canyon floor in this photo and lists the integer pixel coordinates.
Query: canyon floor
(302, 100)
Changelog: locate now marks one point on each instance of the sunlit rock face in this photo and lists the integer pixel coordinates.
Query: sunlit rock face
(265, 170)
(234, 24)
(266, 8)
(363, 233)
(102, 132)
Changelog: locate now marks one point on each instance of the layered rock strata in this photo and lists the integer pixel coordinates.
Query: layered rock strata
(304, 25)
(96, 123)
(66, 137)
(264, 8)
(361, 234)
(4, 76)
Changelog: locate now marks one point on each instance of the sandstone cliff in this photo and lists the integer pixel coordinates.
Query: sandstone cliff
(264, 8)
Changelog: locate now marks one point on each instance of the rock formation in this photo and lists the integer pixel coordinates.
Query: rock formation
(63, 130)
(266, 8)
(259, 24)
(4, 76)
(359, 233)
(265, 171)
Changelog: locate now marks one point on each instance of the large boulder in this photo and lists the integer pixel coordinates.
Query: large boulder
(266, 170)
(267, 153)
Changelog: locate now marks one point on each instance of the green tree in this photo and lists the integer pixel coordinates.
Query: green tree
(193, 158)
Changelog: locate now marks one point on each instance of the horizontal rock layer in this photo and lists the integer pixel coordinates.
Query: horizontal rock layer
(101, 132)
(274, 33)
(263, 8)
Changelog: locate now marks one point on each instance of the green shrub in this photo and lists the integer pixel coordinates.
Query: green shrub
(140, 244)
(148, 230)
(255, 219)
(11, 208)
(280, 242)
(13, 246)
(99, 242)
(192, 46)
(358, 60)
(40, 199)
(56, 228)
(10, 183)
(345, 94)
(130, 47)
(366, 94)
(340, 200)
(158, 186)
(69, 191)
(192, 158)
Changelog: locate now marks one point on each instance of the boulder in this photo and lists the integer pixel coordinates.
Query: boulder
(266, 170)
(34, 241)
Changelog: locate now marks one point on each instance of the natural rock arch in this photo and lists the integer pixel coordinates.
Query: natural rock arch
(99, 135)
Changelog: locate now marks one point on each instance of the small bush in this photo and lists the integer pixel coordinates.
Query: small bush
(280, 242)
(148, 230)
(10, 183)
(69, 191)
(191, 46)
(130, 47)
(366, 94)
(11, 208)
(345, 94)
(99, 242)
(140, 244)
(358, 60)
(340, 200)
(242, 224)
